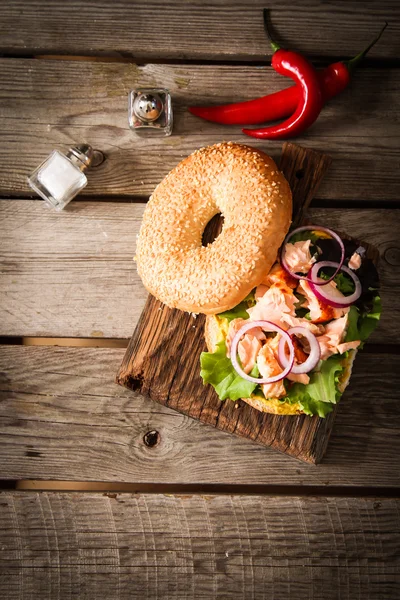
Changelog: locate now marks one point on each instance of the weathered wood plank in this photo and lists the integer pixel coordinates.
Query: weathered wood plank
(219, 30)
(72, 274)
(62, 417)
(61, 546)
(48, 104)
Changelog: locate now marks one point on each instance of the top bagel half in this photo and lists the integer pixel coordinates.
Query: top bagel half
(246, 187)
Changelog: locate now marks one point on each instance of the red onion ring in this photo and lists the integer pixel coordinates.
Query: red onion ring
(313, 357)
(323, 294)
(287, 239)
(267, 326)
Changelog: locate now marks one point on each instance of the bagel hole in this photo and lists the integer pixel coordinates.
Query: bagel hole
(212, 229)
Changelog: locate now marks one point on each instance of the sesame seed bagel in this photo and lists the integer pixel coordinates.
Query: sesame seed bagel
(246, 187)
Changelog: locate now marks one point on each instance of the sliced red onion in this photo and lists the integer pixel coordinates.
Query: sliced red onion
(289, 236)
(313, 357)
(324, 293)
(266, 326)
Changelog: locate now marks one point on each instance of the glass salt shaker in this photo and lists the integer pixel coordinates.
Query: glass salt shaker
(61, 176)
(150, 111)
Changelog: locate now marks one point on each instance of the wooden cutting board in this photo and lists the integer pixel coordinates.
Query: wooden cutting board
(162, 360)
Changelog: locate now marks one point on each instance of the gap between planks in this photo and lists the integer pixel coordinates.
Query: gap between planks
(123, 343)
(318, 61)
(70, 342)
(132, 199)
(34, 485)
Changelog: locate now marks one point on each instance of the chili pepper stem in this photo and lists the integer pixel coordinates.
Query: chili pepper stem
(274, 45)
(354, 62)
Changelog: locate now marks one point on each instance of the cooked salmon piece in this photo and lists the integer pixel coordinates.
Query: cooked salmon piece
(332, 340)
(300, 356)
(276, 303)
(272, 305)
(288, 321)
(298, 256)
(234, 327)
(278, 275)
(248, 349)
(278, 278)
(269, 366)
(348, 346)
(320, 312)
(355, 261)
(299, 378)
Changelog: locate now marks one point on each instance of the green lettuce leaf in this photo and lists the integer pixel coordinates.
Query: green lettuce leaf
(239, 311)
(319, 396)
(370, 320)
(313, 407)
(343, 282)
(323, 383)
(362, 324)
(217, 369)
(352, 328)
(301, 311)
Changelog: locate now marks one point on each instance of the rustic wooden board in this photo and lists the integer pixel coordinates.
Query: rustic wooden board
(60, 546)
(220, 30)
(163, 356)
(48, 104)
(72, 274)
(63, 418)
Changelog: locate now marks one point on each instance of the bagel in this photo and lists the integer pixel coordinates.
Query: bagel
(246, 187)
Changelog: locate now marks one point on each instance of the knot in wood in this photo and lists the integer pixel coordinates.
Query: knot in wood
(151, 438)
(392, 256)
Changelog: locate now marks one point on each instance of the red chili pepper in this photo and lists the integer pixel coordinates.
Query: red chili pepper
(294, 65)
(272, 107)
(333, 80)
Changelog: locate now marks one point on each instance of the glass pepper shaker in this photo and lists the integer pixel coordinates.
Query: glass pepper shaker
(150, 111)
(61, 176)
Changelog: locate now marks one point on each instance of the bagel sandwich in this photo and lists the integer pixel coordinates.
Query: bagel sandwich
(313, 297)
(283, 300)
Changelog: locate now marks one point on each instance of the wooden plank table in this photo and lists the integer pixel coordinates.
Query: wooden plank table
(105, 494)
